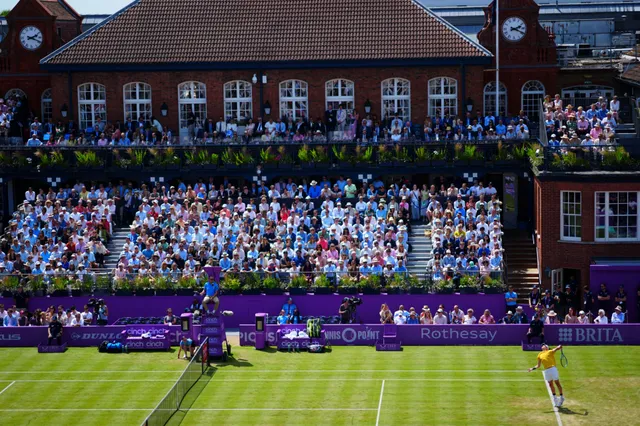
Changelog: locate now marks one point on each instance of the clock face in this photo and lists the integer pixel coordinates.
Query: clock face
(514, 29)
(31, 38)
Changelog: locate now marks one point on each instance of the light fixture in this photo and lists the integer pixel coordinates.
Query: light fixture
(254, 80)
(469, 104)
(267, 108)
(264, 79)
(164, 109)
(367, 106)
(64, 110)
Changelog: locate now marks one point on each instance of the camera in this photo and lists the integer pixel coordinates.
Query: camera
(354, 301)
(92, 303)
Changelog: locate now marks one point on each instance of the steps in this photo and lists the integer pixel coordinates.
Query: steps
(421, 249)
(118, 239)
(390, 343)
(522, 267)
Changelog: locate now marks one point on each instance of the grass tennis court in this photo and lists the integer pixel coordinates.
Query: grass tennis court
(349, 386)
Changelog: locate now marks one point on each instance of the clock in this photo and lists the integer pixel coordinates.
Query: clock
(31, 37)
(514, 29)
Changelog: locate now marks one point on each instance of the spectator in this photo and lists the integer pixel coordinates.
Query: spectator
(536, 329)
(534, 296)
(425, 316)
(571, 317)
(440, 318)
(456, 316)
(601, 318)
(76, 320)
(618, 316)
(469, 319)
(511, 299)
(588, 302)
(3, 314)
(552, 317)
(295, 318)
(55, 331)
(507, 319)
(520, 317)
(400, 316)
(87, 316)
(170, 319)
(583, 318)
(21, 298)
(413, 317)
(547, 301)
(11, 319)
(621, 298)
(386, 317)
(487, 318)
(603, 296)
(289, 307)
(282, 318)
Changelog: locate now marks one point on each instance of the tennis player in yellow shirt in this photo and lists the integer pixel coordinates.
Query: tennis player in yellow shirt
(548, 360)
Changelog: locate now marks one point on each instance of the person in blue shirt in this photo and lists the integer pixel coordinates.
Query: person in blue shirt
(289, 307)
(282, 318)
(413, 318)
(210, 294)
(225, 263)
(511, 299)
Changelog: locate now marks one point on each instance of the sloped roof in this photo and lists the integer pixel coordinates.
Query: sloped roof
(632, 74)
(60, 9)
(210, 31)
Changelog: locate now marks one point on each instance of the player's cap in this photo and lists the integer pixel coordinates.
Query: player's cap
(544, 345)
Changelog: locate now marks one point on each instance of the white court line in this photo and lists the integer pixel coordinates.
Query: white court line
(252, 371)
(323, 379)
(555, 409)
(89, 381)
(8, 386)
(191, 409)
(380, 404)
(90, 371)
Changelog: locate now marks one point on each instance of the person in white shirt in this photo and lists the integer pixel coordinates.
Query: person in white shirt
(440, 318)
(601, 318)
(469, 319)
(87, 316)
(583, 318)
(618, 316)
(399, 318)
(76, 321)
(30, 195)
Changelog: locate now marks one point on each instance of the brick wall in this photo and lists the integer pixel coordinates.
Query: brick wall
(367, 86)
(555, 254)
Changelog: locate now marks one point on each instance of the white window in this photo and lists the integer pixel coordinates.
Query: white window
(339, 92)
(15, 93)
(490, 99)
(396, 98)
(532, 96)
(443, 96)
(46, 106)
(616, 216)
(294, 100)
(571, 215)
(238, 103)
(92, 104)
(192, 99)
(137, 101)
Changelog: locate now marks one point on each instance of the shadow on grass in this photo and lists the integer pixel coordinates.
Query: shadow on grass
(570, 412)
(232, 362)
(191, 397)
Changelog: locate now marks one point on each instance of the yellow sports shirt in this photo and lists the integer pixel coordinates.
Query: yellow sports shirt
(547, 358)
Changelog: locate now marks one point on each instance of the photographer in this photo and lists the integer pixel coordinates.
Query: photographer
(102, 313)
(345, 311)
(55, 331)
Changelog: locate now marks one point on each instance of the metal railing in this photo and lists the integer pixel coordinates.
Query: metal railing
(571, 158)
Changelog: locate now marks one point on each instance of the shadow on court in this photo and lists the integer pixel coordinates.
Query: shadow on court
(570, 412)
(191, 397)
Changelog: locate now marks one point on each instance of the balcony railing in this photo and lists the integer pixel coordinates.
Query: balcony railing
(587, 158)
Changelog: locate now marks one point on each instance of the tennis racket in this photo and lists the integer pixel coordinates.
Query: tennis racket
(563, 359)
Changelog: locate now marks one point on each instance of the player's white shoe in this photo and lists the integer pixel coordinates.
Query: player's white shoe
(561, 401)
(556, 401)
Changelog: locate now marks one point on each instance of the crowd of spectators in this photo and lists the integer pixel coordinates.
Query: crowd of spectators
(442, 316)
(569, 126)
(69, 317)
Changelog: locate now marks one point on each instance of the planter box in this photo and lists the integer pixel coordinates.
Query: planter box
(77, 293)
(165, 292)
(38, 293)
(444, 291)
(468, 290)
(369, 290)
(185, 292)
(476, 163)
(228, 292)
(417, 290)
(273, 291)
(297, 291)
(60, 293)
(492, 290)
(123, 293)
(101, 292)
(438, 163)
(7, 293)
(322, 290)
(251, 292)
(393, 291)
(270, 166)
(347, 290)
(145, 292)
(503, 163)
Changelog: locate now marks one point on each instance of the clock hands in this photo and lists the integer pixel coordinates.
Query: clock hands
(517, 29)
(35, 37)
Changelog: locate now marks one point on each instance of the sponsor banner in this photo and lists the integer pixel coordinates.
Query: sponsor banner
(428, 335)
(85, 336)
(148, 344)
(52, 349)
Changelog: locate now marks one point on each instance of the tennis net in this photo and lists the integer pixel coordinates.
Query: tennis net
(171, 402)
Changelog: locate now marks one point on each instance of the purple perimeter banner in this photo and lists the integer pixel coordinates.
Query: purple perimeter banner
(427, 335)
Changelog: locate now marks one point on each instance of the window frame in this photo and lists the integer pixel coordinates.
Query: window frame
(395, 97)
(347, 100)
(442, 97)
(294, 99)
(238, 101)
(541, 92)
(93, 102)
(563, 237)
(46, 106)
(138, 102)
(492, 95)
(192, 102)
(607, 216)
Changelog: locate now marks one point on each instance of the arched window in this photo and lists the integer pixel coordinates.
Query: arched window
(192, 99)
(15, 93)
(294, 101)
(396, 98)
(137, 101)
(443, 96)
(92, 104)
(339, 92)
(532, 96)
(46, 106)
(238, 103)
(490, 99)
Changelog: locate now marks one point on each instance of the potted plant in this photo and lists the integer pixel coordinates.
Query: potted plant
(142, 286)
(251, 284)
(284, 159)
(371, 285)
(502, 156)
(37, 286)
(416, 286)
(468, 154)
(319, 155)
(165, 158)
(102, 285)
(268, 158)
(137, 157)
(88, 160)
(385, 156)
(395, 284)
(186, 286)
(469, 284)
(402, 155)
(271, 285)
(322, 285)
(60, 286)
(298, 286)
(342, 157)
(82, 286)
(123, 288)
(421, 156)
(305, 156)
(492, 286)
(9, 285)
(346, 285)
(230, 284)
(438, 158)
(53, 160)
(443, 286)
(363, 155)
(164, 286)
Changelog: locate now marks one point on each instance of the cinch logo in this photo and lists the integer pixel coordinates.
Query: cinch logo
(10, 337)
(154, 345)
(593, 334)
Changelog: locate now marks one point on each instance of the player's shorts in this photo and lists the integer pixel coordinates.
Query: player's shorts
(209, 299)
(551, 374)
